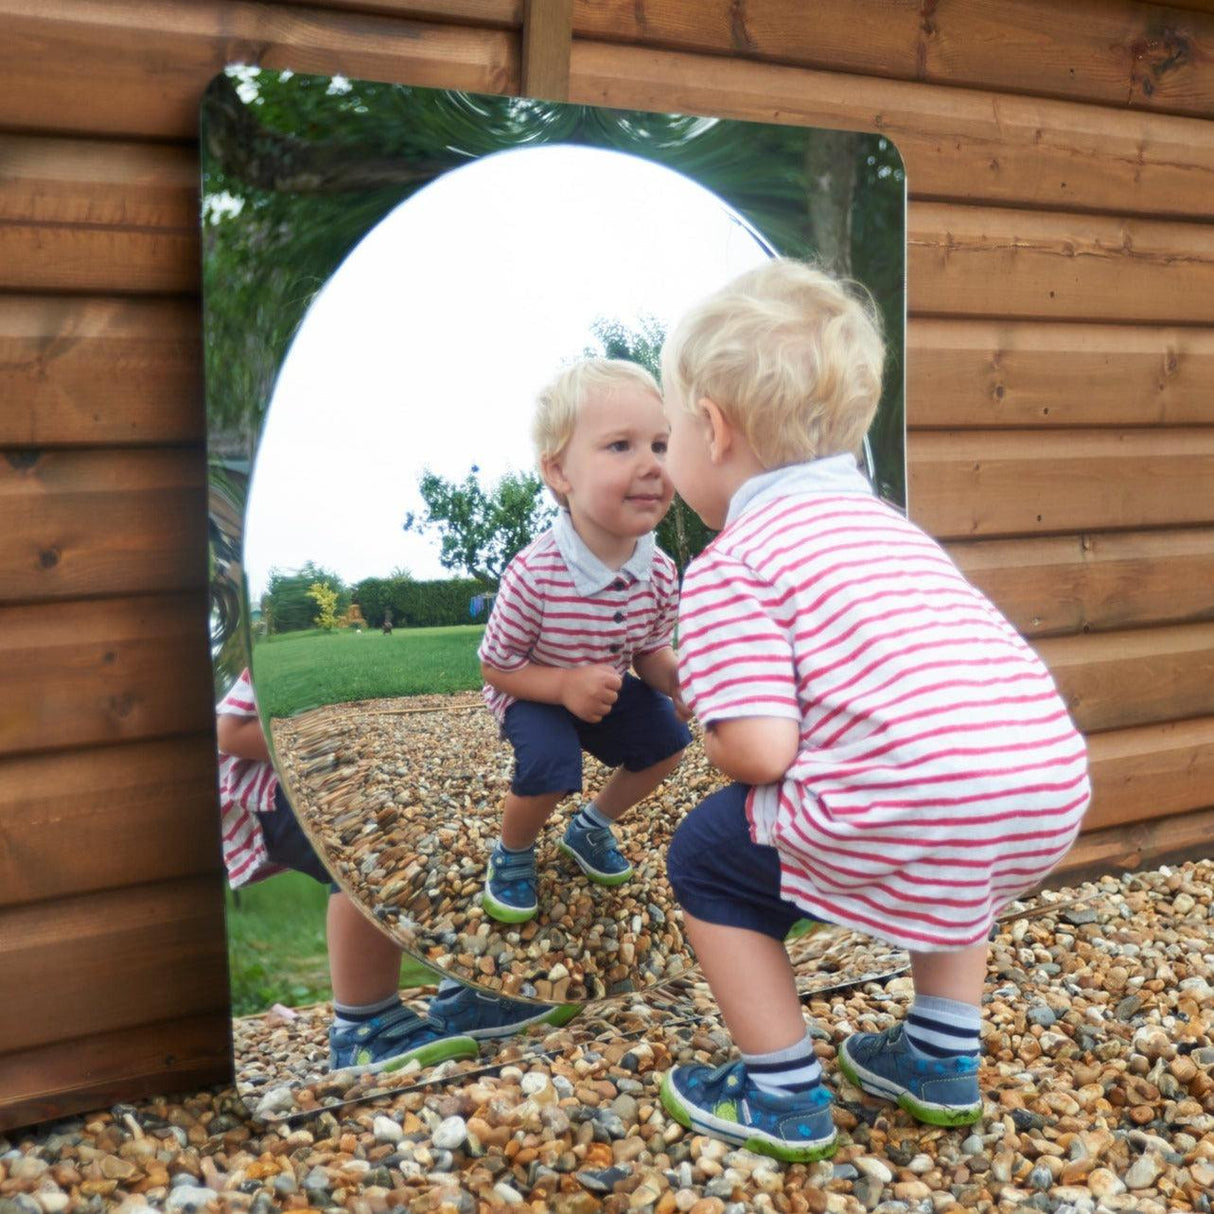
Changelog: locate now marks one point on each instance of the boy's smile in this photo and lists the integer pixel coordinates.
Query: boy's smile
(611, 471)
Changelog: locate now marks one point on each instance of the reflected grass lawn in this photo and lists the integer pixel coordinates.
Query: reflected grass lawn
(276, 946)
(301, 670)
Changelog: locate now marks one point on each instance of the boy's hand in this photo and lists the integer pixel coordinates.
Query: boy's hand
(680, 705)
(590, 691)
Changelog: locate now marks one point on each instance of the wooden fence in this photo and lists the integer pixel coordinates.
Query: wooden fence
(1060, 364)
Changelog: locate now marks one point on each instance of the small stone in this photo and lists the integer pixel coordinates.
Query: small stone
(189, 1197)
(450, 1134)
(386, 1130)
(869, 1165)
(507, 1193)
(1143, 1172)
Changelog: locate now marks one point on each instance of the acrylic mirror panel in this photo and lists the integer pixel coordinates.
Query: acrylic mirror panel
(390, 275)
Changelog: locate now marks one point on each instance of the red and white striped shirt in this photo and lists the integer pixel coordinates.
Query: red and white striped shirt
(246, 788)
(939, 773)
(559, 605)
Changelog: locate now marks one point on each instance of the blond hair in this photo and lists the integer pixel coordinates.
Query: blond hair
(556, 407)
(790, 355)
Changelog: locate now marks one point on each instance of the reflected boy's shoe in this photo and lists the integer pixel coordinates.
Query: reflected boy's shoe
(939, 1091)
(473, 1013)
(510, 881)
(596, 853)
(796, 1128)
(394, 1039)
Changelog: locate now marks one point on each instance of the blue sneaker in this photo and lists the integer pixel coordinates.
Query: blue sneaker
(939, 1091)
(509, 895)
(796, 1128)
(596, 853)
(394, 1039)
(476, 1014)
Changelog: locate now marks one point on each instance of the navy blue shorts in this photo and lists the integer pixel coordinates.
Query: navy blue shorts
(286, 843)
(719, 874)
(640, 730)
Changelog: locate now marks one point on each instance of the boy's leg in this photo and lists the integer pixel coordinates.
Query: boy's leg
(523, 818)
(364, 961)
(928, 1063)
(643, 740)
(773, 1101)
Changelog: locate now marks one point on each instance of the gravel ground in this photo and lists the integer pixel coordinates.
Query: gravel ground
(404, 797)
(1099, 1045)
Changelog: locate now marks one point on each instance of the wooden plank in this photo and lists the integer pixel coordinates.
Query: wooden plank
(93, 522)
(981, 261)
(109, 817)
(100, 371)
(1119, 680)
(88, 673)
(101, 962)
(81, 215)
(1139, 775)
(1117, 52)
(1095, 582)
(500, 14)
(956, 144)
(90, 1072)
(547, 35)
(139, 68)
(1019, 482)
(1140, 845)
(1011, 373)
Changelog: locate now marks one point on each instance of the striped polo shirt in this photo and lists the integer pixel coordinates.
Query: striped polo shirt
(559, 605)
(939, 774)
(246, 788)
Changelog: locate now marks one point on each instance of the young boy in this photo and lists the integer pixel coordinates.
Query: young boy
(578, 607)
(372, 1030)
(904, 764)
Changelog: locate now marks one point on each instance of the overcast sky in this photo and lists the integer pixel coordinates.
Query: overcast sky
(427, 346)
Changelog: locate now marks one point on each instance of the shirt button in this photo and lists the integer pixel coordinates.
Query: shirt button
(618, 584)
(619, 615)
(615, 648)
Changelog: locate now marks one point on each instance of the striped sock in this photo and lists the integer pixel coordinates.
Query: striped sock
(590, 817)
(943, 1028)
(345, 1016)
(793, 1069)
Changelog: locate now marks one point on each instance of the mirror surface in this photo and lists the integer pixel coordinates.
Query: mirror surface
(391, 274)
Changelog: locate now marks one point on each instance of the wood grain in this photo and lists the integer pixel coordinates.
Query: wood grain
(1095, 582)
(113, 949)
(1120, 680)
(109, 817)
(1140, 845)
(547, 35)
(963, 374)
(100, 371)
(80, 215)
(1010, 482)
(983, 261)
(1157, 771)
(95, 1071)
(102, 522)
(86, 673)
(957, 144)
(140, 67)
(1115, 52)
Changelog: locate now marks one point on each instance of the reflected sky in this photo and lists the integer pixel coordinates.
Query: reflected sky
(427, 346)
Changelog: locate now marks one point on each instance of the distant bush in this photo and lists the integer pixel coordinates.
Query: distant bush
(419, 604)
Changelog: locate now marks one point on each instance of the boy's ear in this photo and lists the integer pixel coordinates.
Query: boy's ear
(720, 432)
(553, 473)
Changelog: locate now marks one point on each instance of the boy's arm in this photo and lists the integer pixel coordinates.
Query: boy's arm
(587, 691)
(753, 750)
(241, 737)
(660, 669)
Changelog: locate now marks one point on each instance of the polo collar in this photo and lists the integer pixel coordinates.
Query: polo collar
(590, 575)
(834, 474)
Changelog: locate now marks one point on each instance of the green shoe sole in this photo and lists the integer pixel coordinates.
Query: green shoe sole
(927, 1113)
(674, 1105)
(435, 1052)
(503, 913)
(597, 878)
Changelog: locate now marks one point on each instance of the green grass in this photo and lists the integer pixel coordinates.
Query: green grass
(301, 670)
(276, 946)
